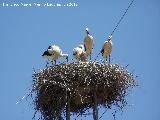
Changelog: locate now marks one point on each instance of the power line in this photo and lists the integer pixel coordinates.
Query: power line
(102, 114)
(122, 17)
(118, 22)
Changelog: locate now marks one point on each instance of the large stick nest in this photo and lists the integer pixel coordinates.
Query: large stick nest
(82, 79)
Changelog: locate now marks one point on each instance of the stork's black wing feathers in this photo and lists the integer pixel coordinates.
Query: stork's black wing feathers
(46, 53)
(102, 51)
(85, 47)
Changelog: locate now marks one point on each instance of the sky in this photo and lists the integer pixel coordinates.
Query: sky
(26, 32)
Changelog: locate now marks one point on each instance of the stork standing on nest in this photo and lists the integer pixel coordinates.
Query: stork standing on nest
(88, 43)
(53, 53)
(79, 53)
(107, 48)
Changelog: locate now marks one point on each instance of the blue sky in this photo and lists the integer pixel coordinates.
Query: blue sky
(25, 32)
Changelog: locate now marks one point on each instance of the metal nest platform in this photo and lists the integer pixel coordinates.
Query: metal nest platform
(81, 81)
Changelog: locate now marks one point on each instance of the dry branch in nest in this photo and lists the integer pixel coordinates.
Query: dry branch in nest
(82, 79)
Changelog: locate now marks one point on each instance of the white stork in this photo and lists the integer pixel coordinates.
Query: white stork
(48, 56)
(107, 48)
(79, 53)
(53, 53)
(88, 43)
(82, 47)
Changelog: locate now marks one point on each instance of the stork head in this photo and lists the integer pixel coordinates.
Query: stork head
(110, 37)
(87, 30)
(50, 47)
(81, 46)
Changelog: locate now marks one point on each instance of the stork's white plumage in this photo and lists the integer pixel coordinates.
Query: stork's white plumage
(81, 46)
(107, 48)
(53, 53)
(54, 48)
(88, 43)
(79, 53)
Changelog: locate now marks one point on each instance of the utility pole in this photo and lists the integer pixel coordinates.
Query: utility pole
(95, 109)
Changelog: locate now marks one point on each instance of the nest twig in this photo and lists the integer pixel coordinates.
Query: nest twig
(82, 79)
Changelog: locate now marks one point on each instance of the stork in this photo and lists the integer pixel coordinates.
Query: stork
(81, 46)
(79, 53)
(53, 53)
(88, 43)
(107, 48)
(48, 56)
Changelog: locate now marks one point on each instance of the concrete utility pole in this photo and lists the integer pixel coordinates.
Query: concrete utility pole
(95, 110)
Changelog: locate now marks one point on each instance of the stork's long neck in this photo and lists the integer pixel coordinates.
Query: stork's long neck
(87, 32)
(110, 40)
(64, 55)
